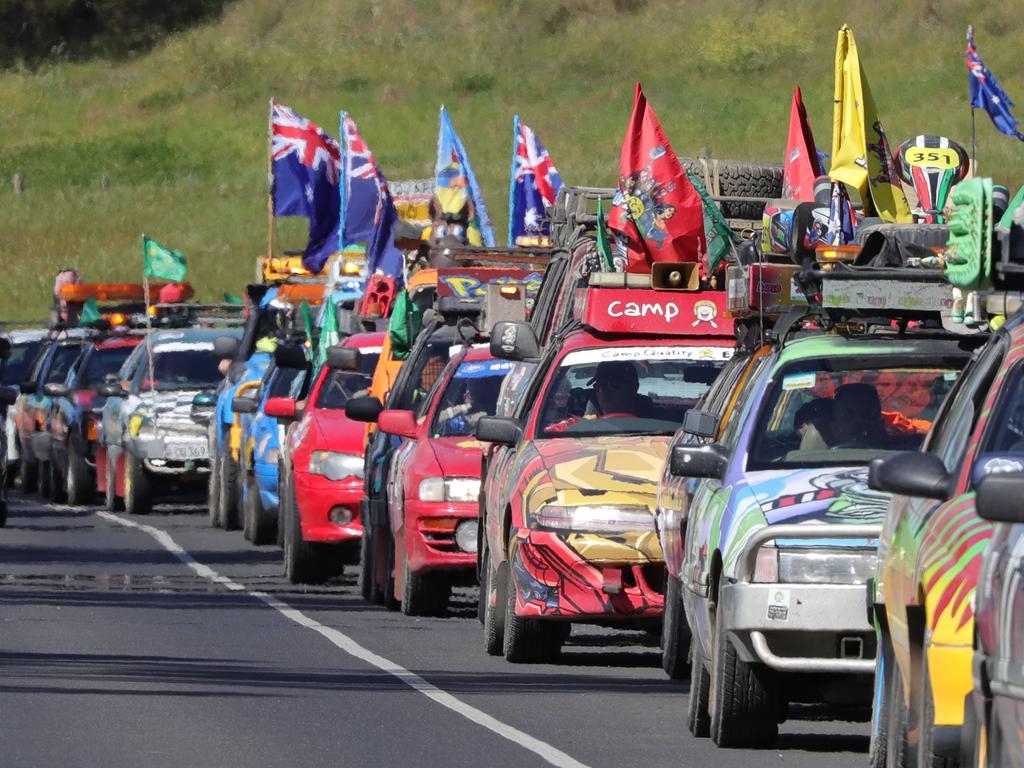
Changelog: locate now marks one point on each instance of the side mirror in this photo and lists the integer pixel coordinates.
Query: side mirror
(225, 347)
(243, 404)
(111, 389)
(911, 473)
(514, 341)
(290, 356)
(56, 390)
(999, 497)
(344, 358)
(27, 387)
(701, 423)
(5, 348)
(203, 405)
(498, 429)
(366, 408)
(279, 407)
(396, 422)
(8, 395)
(236, 371)
(698, 461)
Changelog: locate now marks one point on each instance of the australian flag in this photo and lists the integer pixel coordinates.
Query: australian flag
(306, 168)
(987, 94)
(362, 186)
(533, 186)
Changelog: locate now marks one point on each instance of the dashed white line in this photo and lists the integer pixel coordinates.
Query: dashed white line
(542, 749)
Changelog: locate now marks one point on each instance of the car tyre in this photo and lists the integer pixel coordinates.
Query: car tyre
(530, 641)
(229, 493)
(368, 586)
(58, 487)
(213, 493)
(138, 488)
(261, 526)
(927, 757)
(28, 471)
(880, 709)
(698, 720)
(494, 615)
(390, 601)
(675, 634)
(77, 485)
(44, 486)
(111, 501)
(303, 564)
(424, 594)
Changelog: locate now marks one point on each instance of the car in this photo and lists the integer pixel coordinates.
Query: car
(74, 417)
(25, 345)
(780, 528)
(569, 492)
(321, 485)
(434, 483)
(152, 440)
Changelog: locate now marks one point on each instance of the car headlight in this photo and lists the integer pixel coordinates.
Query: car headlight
(449, 489)
(336, 466)
(825, 566)
(594, 518)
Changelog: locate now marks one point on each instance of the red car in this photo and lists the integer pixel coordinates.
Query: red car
(434, 483)
(322, 485)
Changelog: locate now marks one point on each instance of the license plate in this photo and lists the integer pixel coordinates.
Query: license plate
(186, 450)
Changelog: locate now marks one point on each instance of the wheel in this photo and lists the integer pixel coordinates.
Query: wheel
(927, 757)
(896, 747)
(368, 586)
(481, 594)
(303, 564)
(3, 512)
(675, 634)
(111, 501)
(494, 613)
(390, 601)
(27, 471)
(880, 703)
(744, 702)
(697, 718)
(213, 493)
(261, 527)
(44, 485)
(424, 594)
(77, 481)
(529, 641)
(229, 493)
(58, 489)
(138, 491)
(737, 178)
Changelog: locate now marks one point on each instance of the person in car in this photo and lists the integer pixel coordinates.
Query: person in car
(813, 422)
(857, 417)
(479, 399)
(615, 393)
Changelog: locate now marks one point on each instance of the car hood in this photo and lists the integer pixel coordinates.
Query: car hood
(457, 456)
(331, 429)
(172, 410)
(837, 495)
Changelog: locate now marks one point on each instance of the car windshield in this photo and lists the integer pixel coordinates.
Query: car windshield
(471, 393)
(101, 362)
(63, 359)
(22, 355)
(340, 386)
(831, 411)
(181, 366)
(283, 381)
(627, 390)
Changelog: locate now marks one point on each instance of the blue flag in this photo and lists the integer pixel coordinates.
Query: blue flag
(382, 256)
(533, 186)
(306, 167)
(987, 94)
(360, 187)
(453, 171)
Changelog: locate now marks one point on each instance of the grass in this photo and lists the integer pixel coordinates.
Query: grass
(180, 132)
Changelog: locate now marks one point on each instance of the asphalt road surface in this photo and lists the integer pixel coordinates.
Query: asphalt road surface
(172, 644)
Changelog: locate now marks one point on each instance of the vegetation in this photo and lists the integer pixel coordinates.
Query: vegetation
(180, 131)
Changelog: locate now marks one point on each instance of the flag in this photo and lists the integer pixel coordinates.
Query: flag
(362, 187)
(987, 94)
(330, 334)
(801, 166)
(454, 179)
(90, 312)
(841, 222)
(307, 320)
(861, 156)
(382, 256)
(305, 164)
(718, 235)
(656, 213)
(533, 185)
(158, 261)
(603, 250)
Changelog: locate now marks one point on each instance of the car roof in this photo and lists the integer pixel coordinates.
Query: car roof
(27, 336)
(364, 340)
(882, 344)
(194, 334)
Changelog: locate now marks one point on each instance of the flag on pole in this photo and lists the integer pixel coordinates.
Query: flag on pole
(533, 185)
(801, 166)
(362, 186)
(987, 93)
(603, 249)
(330, 334)
(306, 169)
(161, 262)
(861, 156)
(382, 255)
(455, 180)
(656, 213)
(90, 312)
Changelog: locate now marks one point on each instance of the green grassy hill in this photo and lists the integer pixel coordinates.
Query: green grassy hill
(180, 132)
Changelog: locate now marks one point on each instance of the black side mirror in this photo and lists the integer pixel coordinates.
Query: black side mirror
(698, 461)
(911, 473)
(343, 358)
(290, 356)
(514, 341)
(27, 387)
(225, 347)
(700, 423)
(243, 404)
(8, 395)
(111, 389)
(56, 390)
(498, 429)
(366, 408)
(5, 348)
(999, 497)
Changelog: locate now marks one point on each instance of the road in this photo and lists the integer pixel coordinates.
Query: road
(173, 644)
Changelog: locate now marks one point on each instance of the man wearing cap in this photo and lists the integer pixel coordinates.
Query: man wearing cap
(615, 386)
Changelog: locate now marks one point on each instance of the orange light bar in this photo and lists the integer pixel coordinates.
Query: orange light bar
(79, 293)
(294, 293)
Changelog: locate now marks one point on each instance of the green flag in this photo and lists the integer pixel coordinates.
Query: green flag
(329, 334)
(717, 232)
(603, 250)
(307, 320)
(404, 326)
(90, 312)
(158, 261)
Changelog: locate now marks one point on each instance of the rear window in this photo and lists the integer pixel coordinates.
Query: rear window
(63, 359)
(18, 364)
(180, 366)
(101, 362)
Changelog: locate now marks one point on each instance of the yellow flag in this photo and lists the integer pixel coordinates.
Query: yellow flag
(861, 156)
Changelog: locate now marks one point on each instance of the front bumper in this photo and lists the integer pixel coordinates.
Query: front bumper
(315, 496)
(553, 581)
(800, 627)
(430, 535)
(171, 454)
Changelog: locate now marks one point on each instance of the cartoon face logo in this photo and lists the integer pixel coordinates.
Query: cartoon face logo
(705, 312)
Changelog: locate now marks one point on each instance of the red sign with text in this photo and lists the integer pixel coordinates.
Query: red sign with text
(660, 313)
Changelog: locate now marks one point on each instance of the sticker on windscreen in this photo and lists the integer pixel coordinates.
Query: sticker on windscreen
(585, 356)
(799, 381)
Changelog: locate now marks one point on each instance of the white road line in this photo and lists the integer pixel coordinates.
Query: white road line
(551, 754)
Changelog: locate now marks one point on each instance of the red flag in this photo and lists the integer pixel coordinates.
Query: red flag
(801, 167)
(657, 215)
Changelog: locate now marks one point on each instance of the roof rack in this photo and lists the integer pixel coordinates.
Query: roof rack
(535, 258)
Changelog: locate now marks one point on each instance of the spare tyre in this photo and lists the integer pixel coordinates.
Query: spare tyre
(926, 235)
(738, 178)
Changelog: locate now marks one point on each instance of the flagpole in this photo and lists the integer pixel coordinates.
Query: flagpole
(974, 146)
(512, 178)
(270, 180)
(149, 326)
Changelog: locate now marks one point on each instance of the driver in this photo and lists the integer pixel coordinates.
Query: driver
(479, 399)
(857, 417)
(615, 392)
